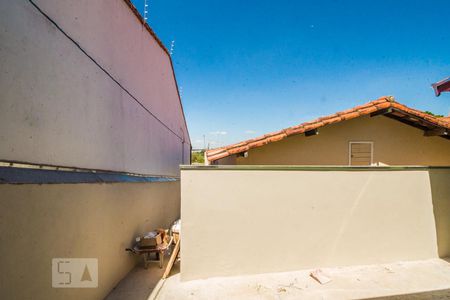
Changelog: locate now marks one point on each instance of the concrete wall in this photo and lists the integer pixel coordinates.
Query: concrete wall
(58, 107)
(256, 221)
(440, 188)
(83, 84)
(395, 143)
(41, 222)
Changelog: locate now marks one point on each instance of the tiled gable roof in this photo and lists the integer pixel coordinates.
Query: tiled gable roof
(385, 105)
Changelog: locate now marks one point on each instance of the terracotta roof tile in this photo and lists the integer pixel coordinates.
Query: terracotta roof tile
(312, 126)
(383, 105)
(351, 115)
(331, 120)
(214, 152)
(257, 143)
(445, 119)
(220, 155)
(361, 110)
(367, 110)
(363, 106)
(238, 149)
(344, 112)
(277, 137)
(292, 131)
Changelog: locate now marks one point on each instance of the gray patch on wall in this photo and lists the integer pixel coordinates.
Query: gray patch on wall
(14, 175)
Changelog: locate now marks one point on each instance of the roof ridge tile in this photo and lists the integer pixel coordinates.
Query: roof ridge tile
(348, 114)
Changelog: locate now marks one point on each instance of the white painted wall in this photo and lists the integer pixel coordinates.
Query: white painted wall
(57, 107)
(238, 222)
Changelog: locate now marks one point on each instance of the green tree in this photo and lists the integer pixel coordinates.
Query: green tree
(198, 157)
(431, 114)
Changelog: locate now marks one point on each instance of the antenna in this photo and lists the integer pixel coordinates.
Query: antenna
(145, 10)
(172, 46)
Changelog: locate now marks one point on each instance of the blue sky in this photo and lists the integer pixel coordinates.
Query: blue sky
(247, 68)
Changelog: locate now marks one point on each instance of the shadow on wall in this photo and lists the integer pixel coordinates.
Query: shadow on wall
(440, 189)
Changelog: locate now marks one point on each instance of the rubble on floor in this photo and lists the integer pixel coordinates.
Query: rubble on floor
(427, 277)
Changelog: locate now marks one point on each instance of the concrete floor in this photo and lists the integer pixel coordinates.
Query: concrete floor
(427, 279)
(139, 283)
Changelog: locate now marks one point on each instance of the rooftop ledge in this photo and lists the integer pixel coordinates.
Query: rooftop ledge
(308, 168)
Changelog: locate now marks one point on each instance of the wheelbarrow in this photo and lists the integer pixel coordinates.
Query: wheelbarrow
(148, 251)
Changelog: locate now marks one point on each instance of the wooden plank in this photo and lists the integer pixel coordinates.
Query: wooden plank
(361, 146)
(360, 158)
(172, 259)
(436, 132)
(360, 150)
(311, 132)
(361, 155)
(381, 112)
(413, 120)
(361, 162)
(356, 159)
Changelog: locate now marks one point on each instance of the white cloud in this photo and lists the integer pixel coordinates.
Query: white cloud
(250, 131)
(218, 133)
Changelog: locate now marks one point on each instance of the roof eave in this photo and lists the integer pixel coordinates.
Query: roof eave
(385, 105)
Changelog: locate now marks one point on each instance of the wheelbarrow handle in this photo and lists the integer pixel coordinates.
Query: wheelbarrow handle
(130, 250)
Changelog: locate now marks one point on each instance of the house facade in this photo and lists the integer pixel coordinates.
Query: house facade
(381, 132)
(313, 188)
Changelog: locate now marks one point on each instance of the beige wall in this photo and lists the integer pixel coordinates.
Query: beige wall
(58, 107)
(440, 188)
(41, 222)
(394, 144)
(256, 221)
